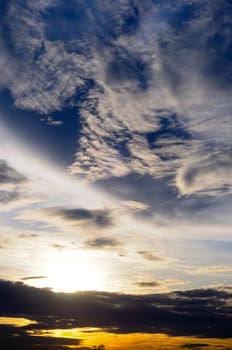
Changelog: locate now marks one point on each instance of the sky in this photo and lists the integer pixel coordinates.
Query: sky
(115, 174)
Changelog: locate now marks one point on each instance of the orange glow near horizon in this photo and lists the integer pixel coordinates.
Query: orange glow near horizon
(91, 337)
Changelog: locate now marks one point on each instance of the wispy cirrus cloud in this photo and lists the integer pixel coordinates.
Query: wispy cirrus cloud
(134, 205)
(212, 269)
(186, 94)
(136, 81)
(209, 176)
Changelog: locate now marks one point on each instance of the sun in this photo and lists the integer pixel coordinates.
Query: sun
(74, 274)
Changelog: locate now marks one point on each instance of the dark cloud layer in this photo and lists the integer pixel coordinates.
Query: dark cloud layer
(202, 313)
(194, 346)
(18, 339)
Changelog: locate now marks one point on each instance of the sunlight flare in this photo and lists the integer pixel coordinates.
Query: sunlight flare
(70, 274)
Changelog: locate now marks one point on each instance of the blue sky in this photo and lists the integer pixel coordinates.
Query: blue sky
(115, 144)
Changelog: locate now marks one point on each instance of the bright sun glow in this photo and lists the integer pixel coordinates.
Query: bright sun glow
(70, 275)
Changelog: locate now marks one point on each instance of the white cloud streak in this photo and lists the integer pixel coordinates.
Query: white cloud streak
(213, 269)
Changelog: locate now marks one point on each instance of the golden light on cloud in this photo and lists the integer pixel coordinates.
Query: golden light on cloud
(16, 321)
(96, 337)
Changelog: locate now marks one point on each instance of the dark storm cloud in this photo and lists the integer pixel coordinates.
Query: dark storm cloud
(102, 242)
(98, 218)
(203, 313)
(9, 175)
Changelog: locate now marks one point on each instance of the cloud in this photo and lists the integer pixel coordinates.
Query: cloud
(147, 255)
(125, 67)
(75, 222)
(148, 284)
(28, 235)
(146, 79)
(102, 242)
(15, 321)
(194, 345)
(51, 121)
(213, 269)
(187, 94)
(211, 175)
(7, 196)
(202, 312)
(58, 246)
(97, 218)
(12, 185)
(19, 339)
(40, 52)
(9, 175)
(147, 129)
(45, 180)
(162, 284)
(32, 278)
(135, 205)
(155, 193)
